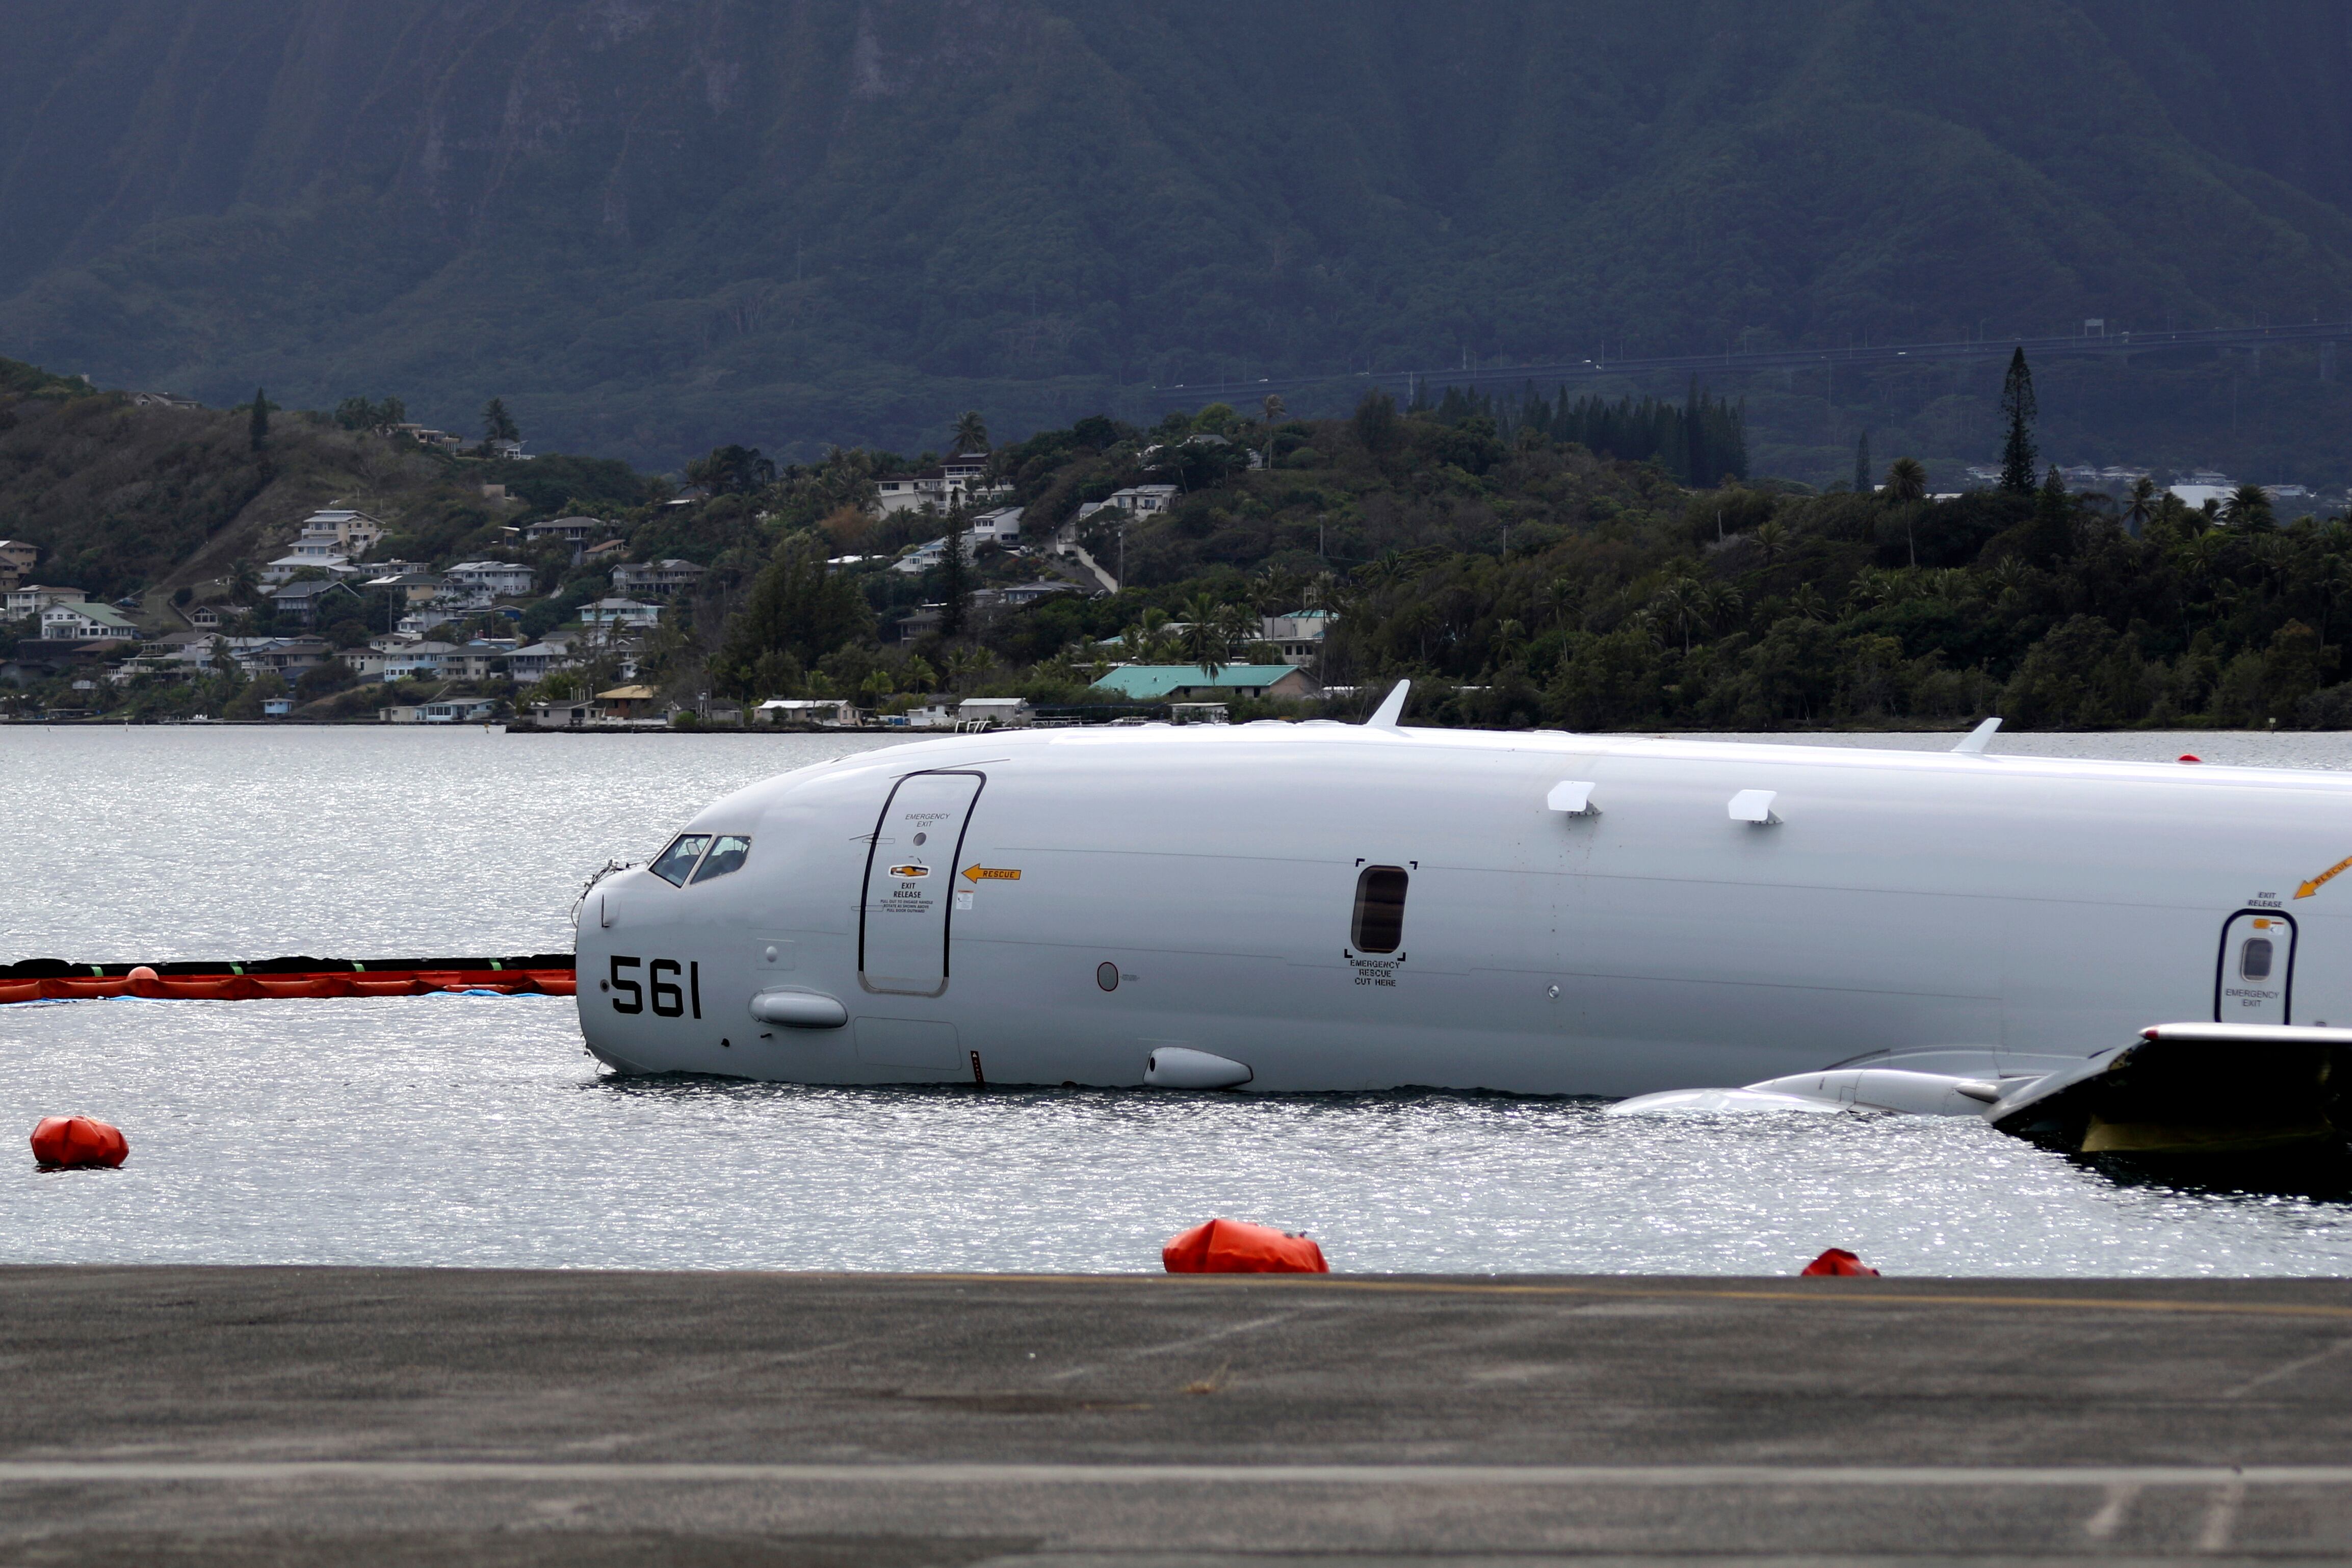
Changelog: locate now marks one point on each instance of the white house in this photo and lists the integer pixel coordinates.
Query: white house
(1136, 501)
(940, 488)
(925, 556)
(487, 580)
(34, 597)
(416, 661)
(620, 612)
(1001, 527)
(86, 621)
(1299, 635)
(454, 711)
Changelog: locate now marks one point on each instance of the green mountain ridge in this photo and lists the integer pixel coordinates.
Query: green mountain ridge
(652, 229)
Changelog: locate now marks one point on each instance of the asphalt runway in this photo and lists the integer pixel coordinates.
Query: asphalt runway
(217, 1417)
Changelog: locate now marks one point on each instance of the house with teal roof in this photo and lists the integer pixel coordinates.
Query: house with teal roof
(1193, 682)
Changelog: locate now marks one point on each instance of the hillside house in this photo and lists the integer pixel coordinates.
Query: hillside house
(1136, 501)
(577, 532)
(940, 489)
(288, 657)
(315, 601)
(659, 579)
(1001, 527)
(541, 659)
(16, 559)
(620, 612)
(413, 589)
(32, 598)
(416, 661)
(354, 534)
(480, 582)
(83, 621)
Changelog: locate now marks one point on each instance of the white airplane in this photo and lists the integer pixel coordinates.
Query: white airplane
(1328, 907)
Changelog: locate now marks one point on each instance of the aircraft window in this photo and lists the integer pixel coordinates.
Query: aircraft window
(2254, 958)
(672, 863)
(726, 855)
(1380, 909)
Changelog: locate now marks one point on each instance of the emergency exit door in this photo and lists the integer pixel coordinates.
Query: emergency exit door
(2256, 983)
(902, 925)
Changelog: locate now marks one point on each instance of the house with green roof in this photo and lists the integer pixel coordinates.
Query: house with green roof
(1193, 682)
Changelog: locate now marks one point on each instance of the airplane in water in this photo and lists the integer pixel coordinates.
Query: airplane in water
(1316, 907)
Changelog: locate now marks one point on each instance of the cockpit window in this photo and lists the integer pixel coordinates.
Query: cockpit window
(727, 854)
(672, 863)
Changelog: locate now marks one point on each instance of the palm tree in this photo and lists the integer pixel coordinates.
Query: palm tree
(1723, 601)
(1907, 480)
(971, 434)
(1509, 637)
(1771, 538)
(1203, 640)
(1684, 600)
(2140, 506)
(2249, 506)
(1906, 484)
(1807, 601)
(1239, 626)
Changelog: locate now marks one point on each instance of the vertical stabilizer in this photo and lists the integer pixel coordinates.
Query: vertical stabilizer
(1391, 708)
(1978, 739)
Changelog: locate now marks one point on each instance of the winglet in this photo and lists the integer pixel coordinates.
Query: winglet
(1977, 739)
(1391, 708)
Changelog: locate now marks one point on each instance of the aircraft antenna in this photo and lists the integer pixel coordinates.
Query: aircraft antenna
(1977, 739)
(1391, 708)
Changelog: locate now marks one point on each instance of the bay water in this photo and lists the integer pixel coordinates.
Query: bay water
(476, 1131)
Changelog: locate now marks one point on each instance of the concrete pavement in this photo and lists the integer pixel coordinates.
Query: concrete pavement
(218, 1417)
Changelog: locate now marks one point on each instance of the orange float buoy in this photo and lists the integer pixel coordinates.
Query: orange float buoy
(1235, 1247)
(1838, 1261)
(78, 1141)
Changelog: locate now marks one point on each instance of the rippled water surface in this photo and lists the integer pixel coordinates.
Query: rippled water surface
(471, 1131)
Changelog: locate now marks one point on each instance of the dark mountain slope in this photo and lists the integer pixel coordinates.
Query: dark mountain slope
(652, 225)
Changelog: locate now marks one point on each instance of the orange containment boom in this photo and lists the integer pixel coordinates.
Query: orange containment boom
(1237, 1246)
(54, 980)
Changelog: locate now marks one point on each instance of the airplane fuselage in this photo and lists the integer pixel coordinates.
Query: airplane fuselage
(1347, 908)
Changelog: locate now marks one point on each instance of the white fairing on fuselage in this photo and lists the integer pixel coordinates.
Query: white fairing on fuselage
(1197, 887)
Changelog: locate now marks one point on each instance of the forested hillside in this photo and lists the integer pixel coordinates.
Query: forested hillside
(1503, 554)
(1525, 581)
(656, 228)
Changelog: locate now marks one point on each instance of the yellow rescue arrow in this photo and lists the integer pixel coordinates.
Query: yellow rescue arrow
(2325, 878)
(997, 874)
